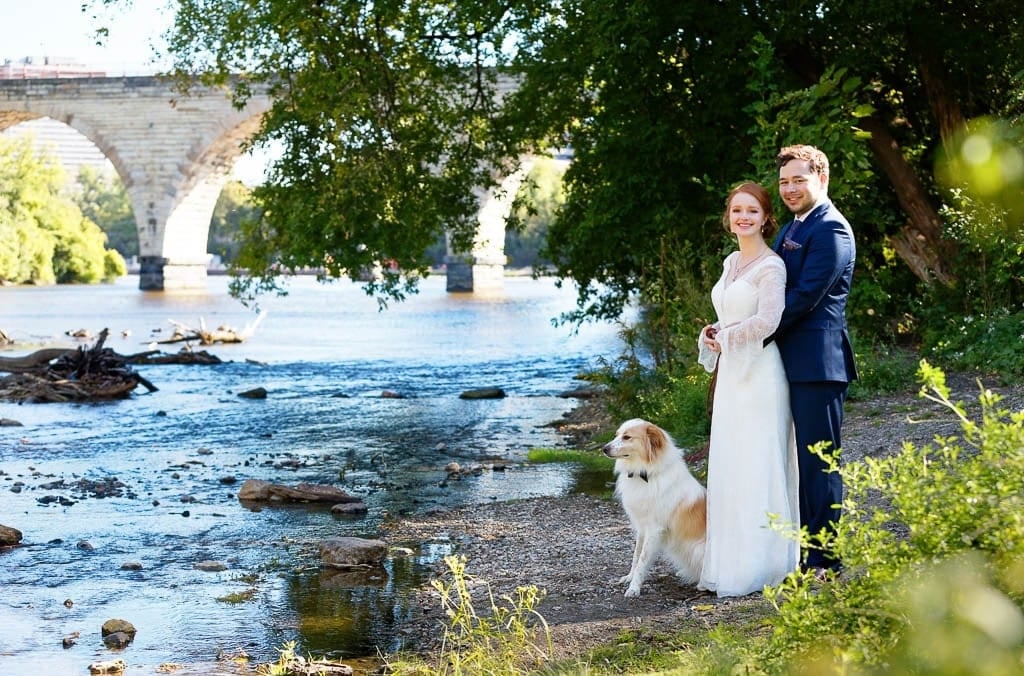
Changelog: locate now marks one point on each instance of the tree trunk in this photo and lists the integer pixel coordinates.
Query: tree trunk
(919, 243)
(943, 104)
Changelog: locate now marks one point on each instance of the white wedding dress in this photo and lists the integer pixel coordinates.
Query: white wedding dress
(752, 471)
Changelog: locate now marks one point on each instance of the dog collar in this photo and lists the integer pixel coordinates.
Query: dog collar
(642, 475)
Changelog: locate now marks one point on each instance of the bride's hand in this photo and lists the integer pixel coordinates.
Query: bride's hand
(709, 338)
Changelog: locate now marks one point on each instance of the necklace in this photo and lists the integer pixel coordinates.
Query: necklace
(740, 268)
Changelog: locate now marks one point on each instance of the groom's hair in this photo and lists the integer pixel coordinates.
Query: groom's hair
(816, 160)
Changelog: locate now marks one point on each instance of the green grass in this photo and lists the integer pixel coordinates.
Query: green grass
(238, 597)
(589, 460)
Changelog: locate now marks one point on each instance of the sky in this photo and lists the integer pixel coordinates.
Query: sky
(58, 29)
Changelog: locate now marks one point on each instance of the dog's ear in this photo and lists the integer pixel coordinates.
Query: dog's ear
(655, 440)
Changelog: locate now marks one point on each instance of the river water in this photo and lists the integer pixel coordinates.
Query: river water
(175, 458)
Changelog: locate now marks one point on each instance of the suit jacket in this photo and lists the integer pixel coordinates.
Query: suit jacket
(812, 335)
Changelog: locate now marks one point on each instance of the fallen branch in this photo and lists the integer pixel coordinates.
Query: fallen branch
(222, 334)
(92, 374)
(32, 362)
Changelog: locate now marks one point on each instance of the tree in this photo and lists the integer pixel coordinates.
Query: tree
(542, 199)
(389, 116)
(104, 201)
(234, 207)
(44, 238)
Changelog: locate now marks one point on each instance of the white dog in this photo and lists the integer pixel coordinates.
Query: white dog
(666, 505)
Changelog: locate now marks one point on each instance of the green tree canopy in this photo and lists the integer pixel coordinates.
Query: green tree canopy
(234, 207)
(391, 113)
(104, 201)
(44, 238)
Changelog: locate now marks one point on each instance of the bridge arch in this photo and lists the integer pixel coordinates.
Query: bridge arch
(173, 154)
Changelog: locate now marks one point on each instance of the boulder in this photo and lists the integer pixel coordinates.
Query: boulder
(108, 667)
(115, 625)
(263, 491)
(484, 393)
(9, 536)
(349, 508)
(255, 393)
(352, 552)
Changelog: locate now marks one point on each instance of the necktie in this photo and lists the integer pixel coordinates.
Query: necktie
(788, 243)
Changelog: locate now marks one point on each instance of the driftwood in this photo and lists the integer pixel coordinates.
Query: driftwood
(57, 375)
(184, 356)
(31, 363)
(222, 334)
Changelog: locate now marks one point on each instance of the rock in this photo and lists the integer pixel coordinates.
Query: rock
(118, 639)
(351, 552)
(257, 490)
(7, 422)
(484, 393)
(581, 393)
(210, 566)
(9, 536)
(391, 394)
(114, 626)
(255, 393)
(349, 508)
(109, 667)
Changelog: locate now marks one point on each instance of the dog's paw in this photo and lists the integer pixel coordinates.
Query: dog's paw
(632, 592)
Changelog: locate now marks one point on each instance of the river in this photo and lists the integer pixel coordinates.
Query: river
(176, 457)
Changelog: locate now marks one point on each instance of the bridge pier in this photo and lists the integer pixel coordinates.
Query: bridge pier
(468, 274)
(159, 274)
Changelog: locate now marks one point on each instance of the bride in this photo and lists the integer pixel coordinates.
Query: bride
(752, 471)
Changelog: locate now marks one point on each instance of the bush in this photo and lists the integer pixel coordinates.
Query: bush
(502, 640)
(933, 542)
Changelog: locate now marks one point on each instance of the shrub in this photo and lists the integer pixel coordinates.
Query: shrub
(504, 640)
(933, 542)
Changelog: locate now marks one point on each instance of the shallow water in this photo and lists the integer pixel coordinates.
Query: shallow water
(176, 458)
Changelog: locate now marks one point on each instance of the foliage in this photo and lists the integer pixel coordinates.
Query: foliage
(502, 640)
(386, 115)
(234, 207)
(675, 400)
(392, 115)
(44, 238)
(104, 200)
(933, 540)
(542, 197)
(593, 461)
(289, 663)
(977, 324)
(882, 368)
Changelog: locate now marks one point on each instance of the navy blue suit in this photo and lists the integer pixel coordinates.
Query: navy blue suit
(817, 354)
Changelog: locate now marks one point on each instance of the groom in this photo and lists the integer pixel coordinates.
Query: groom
(819, 251)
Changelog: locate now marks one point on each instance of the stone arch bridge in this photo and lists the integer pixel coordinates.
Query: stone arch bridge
(174, 154)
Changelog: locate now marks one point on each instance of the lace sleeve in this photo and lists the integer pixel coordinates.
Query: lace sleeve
(705, 357)
(744, 340)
